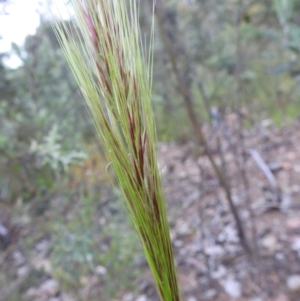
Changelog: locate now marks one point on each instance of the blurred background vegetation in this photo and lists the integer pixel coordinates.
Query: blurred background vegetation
(59, 216)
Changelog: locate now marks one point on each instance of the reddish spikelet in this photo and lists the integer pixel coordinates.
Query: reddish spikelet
(113, 72)
(96, 46)
(103, 78)
(132, 131)
(90, 25)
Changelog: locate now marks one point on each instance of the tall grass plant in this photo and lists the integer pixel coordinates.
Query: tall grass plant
(114, 71)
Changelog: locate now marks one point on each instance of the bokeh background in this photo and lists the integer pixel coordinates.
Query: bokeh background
(230, 68)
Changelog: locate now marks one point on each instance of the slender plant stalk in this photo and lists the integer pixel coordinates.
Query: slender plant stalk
(200, 139)
(114, 73)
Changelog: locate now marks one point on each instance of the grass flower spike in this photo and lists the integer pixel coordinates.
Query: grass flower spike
(115, 76)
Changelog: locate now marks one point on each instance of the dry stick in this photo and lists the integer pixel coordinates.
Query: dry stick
(184, 91)
(267, 172)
